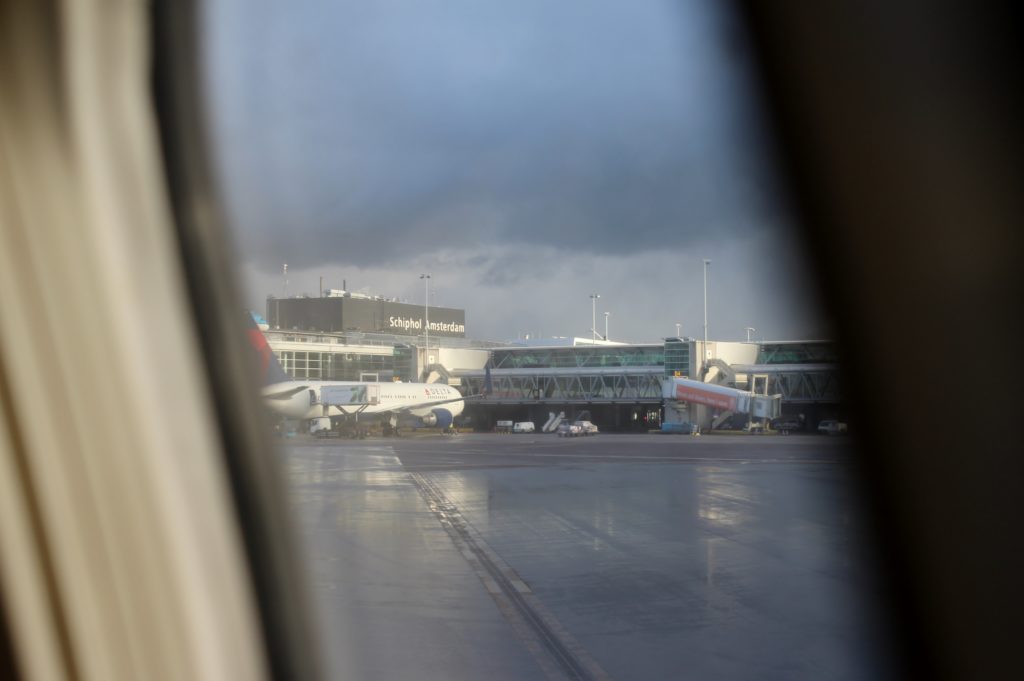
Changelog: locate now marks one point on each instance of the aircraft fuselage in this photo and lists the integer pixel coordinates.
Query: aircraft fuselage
(415, 399)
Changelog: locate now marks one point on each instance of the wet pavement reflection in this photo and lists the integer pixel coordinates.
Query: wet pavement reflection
(657, 558)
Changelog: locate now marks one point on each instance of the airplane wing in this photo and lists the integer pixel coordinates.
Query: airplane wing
(285, 394)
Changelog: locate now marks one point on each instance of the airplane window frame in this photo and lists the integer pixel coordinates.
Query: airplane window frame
(799, 71)
(207, 255)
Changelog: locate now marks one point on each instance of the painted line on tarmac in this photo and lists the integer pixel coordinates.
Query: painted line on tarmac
(682, 458)
(557, 652)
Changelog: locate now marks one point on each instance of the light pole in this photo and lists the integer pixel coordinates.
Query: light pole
(706, 263)
(749, 330)
(606, 316)
(593, 318)
(678, 329)
(426, 314)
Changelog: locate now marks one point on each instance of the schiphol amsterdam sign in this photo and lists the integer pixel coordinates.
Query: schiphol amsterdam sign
(408, 324)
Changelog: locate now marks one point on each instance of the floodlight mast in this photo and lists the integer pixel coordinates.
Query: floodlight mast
(426, 315)
(705, 352)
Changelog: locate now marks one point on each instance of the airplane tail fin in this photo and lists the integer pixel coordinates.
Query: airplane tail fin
(270, 369)
(488, 384)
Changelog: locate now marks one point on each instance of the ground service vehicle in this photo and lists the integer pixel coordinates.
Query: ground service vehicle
(320, 426)
(786, 424)
(831, 427)
(566, 429)
(586, 427)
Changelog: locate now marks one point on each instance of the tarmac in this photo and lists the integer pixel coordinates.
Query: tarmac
(625, 557)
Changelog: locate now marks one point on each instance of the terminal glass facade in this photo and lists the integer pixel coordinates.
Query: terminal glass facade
(579, 357)
(677, 357)
(335, 366)
(799, 352)
(404, 363)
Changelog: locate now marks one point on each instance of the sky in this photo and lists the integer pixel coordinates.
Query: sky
(526, 154)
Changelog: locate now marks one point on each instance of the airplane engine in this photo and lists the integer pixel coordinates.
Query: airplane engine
(438, 417)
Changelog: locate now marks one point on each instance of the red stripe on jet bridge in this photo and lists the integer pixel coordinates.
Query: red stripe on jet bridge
(711, 399)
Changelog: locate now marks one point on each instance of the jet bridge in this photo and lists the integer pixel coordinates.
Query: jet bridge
(721, 399)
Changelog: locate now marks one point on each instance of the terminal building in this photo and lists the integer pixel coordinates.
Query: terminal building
(624, 386)
(340, 310)
(346, 336)
(621, 386)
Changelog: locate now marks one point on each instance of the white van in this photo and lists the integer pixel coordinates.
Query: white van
(524, 427)
(320, 426)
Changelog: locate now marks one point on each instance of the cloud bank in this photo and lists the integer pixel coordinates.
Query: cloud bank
(526, 153)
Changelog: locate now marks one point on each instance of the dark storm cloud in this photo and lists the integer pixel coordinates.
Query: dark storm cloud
(372, 132)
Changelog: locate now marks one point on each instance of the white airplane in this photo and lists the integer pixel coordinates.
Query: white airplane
(394, 403)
